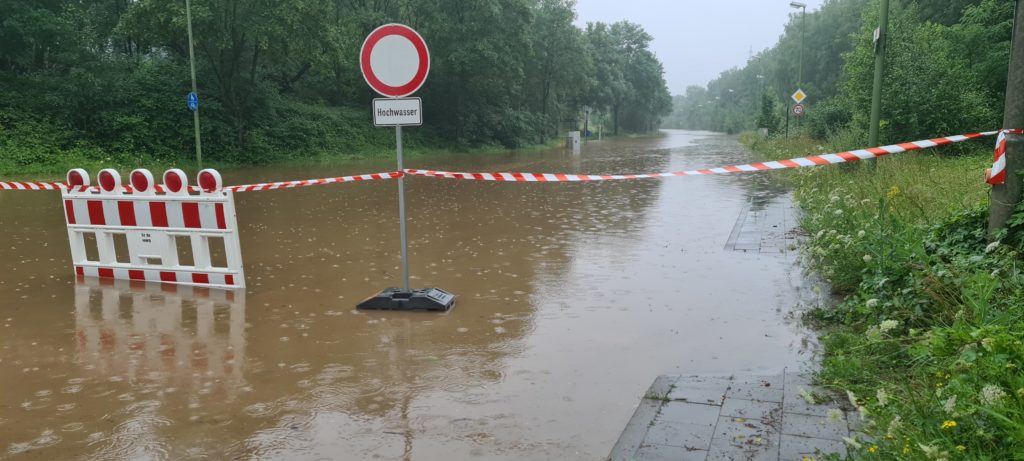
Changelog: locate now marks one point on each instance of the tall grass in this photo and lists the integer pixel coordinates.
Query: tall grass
(929, 338)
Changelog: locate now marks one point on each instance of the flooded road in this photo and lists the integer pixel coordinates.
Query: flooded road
(572, 297)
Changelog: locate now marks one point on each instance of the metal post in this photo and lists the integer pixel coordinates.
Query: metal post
(1005, 197)
(787, 109)
(876, 89)
(800, 67)
(192, 64)
(401, 213)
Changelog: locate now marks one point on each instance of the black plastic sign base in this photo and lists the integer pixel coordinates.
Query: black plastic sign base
(420, 299)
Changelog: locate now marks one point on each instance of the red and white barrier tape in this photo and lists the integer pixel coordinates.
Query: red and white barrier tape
(997, 176)
(814, 160)
(314, 182)
(21, 185)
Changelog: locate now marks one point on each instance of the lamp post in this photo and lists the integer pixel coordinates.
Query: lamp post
(192, 64)
(803, 21)
(881, 36)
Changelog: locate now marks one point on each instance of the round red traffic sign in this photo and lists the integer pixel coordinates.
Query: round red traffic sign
(798, 110)
(394, 60)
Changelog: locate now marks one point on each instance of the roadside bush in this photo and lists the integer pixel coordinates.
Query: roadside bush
(929, 339)
(827, 118)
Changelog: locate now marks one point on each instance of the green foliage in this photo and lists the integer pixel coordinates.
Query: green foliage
(282, 79)
(945, 73)
(769, 117)
(930, 332)
(929, 87)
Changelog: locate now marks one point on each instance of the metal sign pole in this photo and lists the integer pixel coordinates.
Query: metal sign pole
(387, 48)
(192, 65)
(401, 212)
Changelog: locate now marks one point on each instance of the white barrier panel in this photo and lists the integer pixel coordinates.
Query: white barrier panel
(140, 235)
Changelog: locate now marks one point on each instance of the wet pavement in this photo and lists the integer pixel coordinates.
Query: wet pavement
(749, 417)
(572, 296)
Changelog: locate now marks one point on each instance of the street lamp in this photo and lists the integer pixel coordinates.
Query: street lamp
(803, 21)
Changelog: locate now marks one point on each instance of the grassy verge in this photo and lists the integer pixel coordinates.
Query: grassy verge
(56, 164)
(929, 340)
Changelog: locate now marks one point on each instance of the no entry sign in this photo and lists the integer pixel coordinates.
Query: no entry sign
(394, 60)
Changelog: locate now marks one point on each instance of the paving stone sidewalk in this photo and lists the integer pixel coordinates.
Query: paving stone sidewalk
(733, 418)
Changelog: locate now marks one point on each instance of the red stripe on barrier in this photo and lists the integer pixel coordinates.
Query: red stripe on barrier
(190, 213)
(200, 278)
(941, 141)
(106, 272)
(126, 210)
(229, 279)
(158, 214)
(789, 163)
(79, 270)
(136, 275)
(96, 212)
(221, 221)
(732, 169)
(168, 277)
(849, 157)
(69, 209)
(878, 151)
(909, 146)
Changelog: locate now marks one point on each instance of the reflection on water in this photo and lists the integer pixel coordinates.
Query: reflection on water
(572, 297)
(186, 337)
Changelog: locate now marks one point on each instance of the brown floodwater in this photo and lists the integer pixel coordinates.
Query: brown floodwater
(572, 297)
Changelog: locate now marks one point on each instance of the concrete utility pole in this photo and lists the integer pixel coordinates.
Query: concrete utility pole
(881, 36)
(1005, 197)
(192, 64)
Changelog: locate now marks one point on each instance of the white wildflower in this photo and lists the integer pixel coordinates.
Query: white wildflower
(992, 395)
(950, 405)
(994, 274)
(863, 412)
(929, 450)
(987, 343)
(883, 397)
(852, 442)
(894, 426)
(871, 303)
(873, 333)
(888, 325)
(834, 198)
(852, 398)
(819, 234)
(807, 396)
(861, 234)
(835, 415)
(867, 258)
(837, 212)
(992, 247)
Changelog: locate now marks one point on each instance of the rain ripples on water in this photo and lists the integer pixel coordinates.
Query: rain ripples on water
(572, 298)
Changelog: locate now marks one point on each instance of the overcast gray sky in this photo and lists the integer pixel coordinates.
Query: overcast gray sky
(696, 40)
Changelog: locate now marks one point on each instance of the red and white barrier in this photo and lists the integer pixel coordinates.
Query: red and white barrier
(813, 160)
(151, 223)
(313, 182)
(997, 174)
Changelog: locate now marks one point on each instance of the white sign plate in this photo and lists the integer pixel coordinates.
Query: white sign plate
(397, 111)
